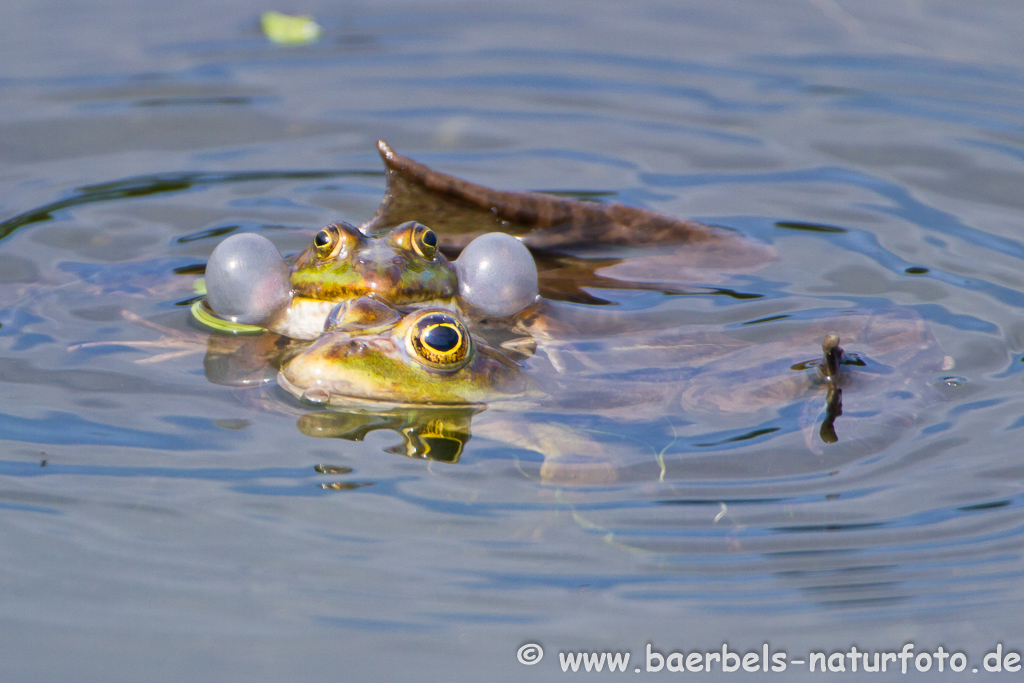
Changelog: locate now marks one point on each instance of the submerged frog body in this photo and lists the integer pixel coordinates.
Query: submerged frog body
(616, 404)
(381, 370)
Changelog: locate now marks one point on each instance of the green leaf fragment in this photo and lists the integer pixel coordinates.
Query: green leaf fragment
(286, 29)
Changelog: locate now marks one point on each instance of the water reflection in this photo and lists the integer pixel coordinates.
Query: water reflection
(432, 433)
(830, 366)
(143, 186)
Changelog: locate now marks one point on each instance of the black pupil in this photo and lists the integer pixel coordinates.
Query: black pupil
(443, 338)
(429, 238)
(322, 239)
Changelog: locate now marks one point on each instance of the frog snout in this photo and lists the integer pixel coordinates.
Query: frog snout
(381, 277)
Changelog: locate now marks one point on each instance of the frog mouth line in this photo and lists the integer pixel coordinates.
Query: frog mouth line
(322, 397)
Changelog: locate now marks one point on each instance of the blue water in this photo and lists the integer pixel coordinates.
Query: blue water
(157, 526)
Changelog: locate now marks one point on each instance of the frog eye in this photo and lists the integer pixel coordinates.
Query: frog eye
(424, 241)
(417, 237)
(335, 240)
(439, 340)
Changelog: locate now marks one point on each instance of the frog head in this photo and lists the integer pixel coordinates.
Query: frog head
(402, 265)
(424, 357)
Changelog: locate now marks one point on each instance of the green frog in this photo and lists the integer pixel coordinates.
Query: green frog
(371, 354)
(402, 265)
(250, 283)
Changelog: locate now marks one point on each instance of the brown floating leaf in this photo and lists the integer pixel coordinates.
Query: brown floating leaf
(676, 255)
(461, 210)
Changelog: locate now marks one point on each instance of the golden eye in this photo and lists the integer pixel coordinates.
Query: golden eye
(424, 241)
(416, 237)
(324, 241)
(439, 340)
(335, 240)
